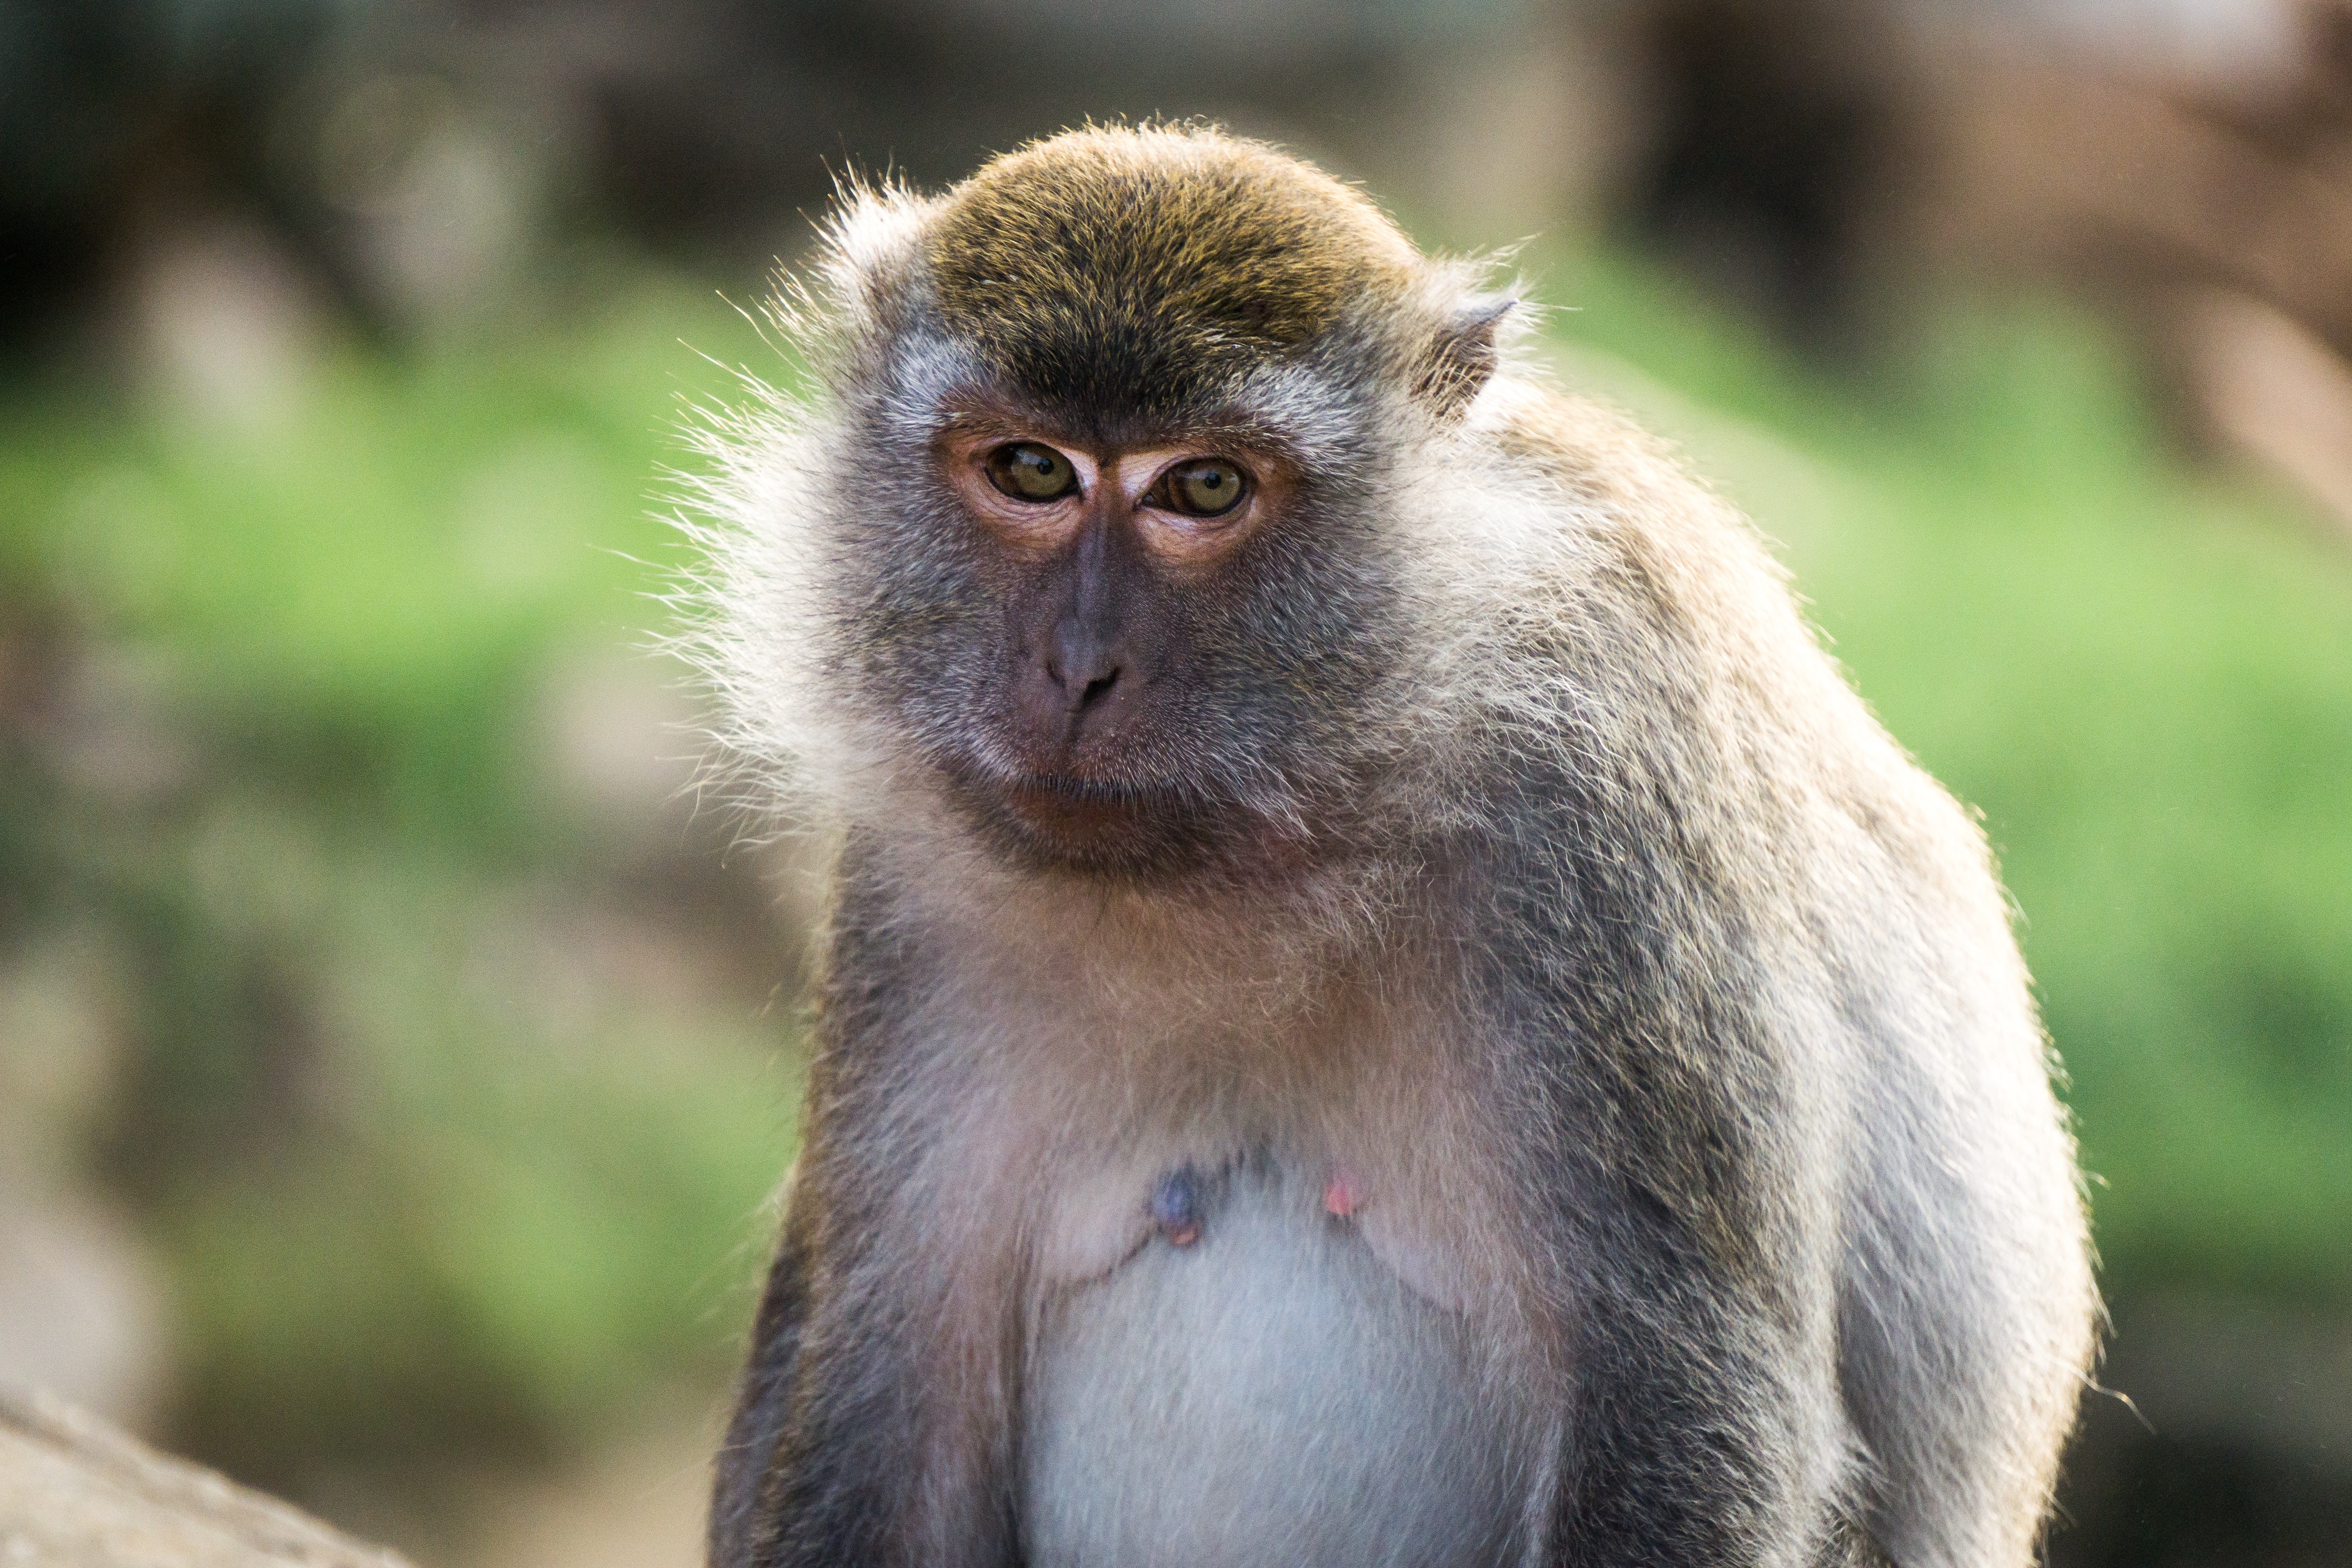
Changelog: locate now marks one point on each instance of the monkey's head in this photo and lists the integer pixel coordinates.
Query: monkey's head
(1091, 528)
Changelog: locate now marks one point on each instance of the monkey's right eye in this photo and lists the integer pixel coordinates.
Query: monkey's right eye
(1027, 471)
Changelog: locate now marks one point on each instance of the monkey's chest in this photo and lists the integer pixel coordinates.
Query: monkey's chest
(1268, 1393)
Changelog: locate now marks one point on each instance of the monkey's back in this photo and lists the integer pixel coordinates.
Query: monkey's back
(1786, 911)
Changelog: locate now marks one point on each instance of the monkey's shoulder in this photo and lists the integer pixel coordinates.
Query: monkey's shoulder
(1647, 607)
(1623, 511)
(1591, 451)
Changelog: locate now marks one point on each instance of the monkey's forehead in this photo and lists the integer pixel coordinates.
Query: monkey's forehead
(1119, 264)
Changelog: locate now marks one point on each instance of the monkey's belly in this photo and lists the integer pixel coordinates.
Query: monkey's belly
(1270, 1394)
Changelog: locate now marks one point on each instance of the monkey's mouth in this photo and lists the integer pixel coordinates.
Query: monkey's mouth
(1145, 833)
(1061, 804)
(1070, 819)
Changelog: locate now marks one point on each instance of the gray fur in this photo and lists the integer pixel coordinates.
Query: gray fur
(1719, 1209)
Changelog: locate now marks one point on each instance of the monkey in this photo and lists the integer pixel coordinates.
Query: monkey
(1383, 1001)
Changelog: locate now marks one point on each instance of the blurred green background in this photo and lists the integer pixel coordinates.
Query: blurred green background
(395, 1066)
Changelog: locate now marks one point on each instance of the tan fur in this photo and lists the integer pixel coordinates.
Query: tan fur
(1219, 250)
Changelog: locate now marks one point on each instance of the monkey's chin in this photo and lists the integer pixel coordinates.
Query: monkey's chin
(1088, 822)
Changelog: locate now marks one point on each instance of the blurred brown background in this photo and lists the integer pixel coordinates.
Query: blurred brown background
(396, 1064)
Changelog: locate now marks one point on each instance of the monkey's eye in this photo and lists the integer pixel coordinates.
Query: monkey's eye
(1027, 471)
(1205, 487)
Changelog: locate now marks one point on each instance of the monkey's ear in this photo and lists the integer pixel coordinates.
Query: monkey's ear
(1462, 356)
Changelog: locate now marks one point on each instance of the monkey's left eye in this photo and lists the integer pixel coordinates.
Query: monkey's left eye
(1204, 487)
(1027, 471)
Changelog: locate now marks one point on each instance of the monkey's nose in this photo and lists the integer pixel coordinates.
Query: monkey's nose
(1084, 671)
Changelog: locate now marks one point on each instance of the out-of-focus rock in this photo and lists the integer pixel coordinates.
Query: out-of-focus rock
(2063, 167)
(440, 200)
(2271, 388)
(74, 1494)
(115, 729)
(2213, 41)
(640, 1504)
(2183, 168)
(626, 739)
(80, 1306)
(60, 1044)
(226, 327)
(2209, 212)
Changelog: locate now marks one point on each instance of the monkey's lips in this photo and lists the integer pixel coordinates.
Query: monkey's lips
(1093, 824)
(1132, 831)
(1080, 808)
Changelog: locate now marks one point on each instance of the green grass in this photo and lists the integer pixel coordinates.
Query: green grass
(361, 591)
(404, 1208)
(510, 1228)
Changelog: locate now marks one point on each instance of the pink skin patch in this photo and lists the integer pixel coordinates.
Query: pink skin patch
(1341, 1197)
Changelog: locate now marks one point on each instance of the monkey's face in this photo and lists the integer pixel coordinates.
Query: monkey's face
(1114, 445)
(1106, 559)
(1161, 629)
(1134, 647)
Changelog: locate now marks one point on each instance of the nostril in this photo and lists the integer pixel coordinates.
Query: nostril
(1097, 688)
(1081, 666)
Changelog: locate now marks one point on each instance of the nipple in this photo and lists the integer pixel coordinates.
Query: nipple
(1340, 1196)
(1176, 1206)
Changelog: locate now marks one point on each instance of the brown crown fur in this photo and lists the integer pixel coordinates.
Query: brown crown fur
(1141, 265)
